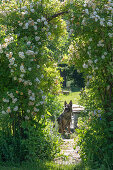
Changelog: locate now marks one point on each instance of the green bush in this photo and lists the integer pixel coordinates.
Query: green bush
(54, 106)
(91, 51)
(38, 143)
(28, 72)
(33, 36)
(95, 134)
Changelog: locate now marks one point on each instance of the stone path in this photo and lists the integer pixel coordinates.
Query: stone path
(68, 154)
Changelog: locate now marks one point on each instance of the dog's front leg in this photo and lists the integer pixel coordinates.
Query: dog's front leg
(69, 128)
(63, 126)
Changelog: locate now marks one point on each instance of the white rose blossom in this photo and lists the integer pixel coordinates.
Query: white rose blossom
(32, 10)
(30, 83)
(11, 95)
(36, 110)
(32, 98)
(15, 78)
(21, 55)
(22, 69)
(110, 35)
(29, 43)
(95, 112)
(15, 108)
(49, 33)
(22, 75)
(43, 18)
(109, 23)
(8, 110)
(87, 11)
(14, 100)
(85, 65)
(43, 97)
(26, 26)
(38, 66)
(26, 118)
(6, 100)
(35, 27)
(3, 112)
(105, 53)
(103, 57)
(45, 23)
(37, 38)
(29, 52)
(39, 43)
(37, 80)
(29, 68)
(38, 20)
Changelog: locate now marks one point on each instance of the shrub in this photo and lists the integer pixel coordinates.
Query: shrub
(54, 107)
(28, 71)
(91, 49)
(38, 143)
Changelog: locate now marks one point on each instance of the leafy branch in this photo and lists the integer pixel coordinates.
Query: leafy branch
(56, 15)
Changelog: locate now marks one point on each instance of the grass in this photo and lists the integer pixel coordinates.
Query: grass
(74, 96)
(39, 166)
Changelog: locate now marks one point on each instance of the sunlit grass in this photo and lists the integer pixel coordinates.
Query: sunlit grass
(74, 96)
(40, 166)
(45, 165)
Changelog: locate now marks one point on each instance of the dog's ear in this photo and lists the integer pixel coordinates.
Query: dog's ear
(65, 103)
(70, 102)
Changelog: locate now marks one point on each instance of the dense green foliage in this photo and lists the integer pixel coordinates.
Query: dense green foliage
(91, 50)
(35, 36)
(69, 73)
(76, 78)
(28, 77)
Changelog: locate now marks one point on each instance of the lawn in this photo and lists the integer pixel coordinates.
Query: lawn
(40, 166)
(74, 96)
(44, 166)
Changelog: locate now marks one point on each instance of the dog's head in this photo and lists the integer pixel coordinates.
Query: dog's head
(68, 107)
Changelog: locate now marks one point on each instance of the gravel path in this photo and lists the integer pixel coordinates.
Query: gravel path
(68, 154)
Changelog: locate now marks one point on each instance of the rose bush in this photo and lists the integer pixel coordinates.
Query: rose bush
(33, 35)
(91, 50)
(28, 72)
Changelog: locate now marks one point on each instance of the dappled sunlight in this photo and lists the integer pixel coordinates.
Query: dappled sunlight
(53, 51)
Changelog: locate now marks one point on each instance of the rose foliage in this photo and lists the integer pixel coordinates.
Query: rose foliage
(91, 50)
(28, 73)
(34, 38)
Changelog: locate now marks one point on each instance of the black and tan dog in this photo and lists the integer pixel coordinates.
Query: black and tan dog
(64, 119)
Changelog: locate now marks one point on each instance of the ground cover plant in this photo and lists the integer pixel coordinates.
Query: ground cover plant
(34, 37)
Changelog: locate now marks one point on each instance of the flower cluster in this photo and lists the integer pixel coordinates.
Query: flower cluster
(88, 52)
(24, 51)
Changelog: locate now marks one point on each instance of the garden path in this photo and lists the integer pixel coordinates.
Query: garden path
(68, 155)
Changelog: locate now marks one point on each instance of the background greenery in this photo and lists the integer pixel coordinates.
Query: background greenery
(35, 37)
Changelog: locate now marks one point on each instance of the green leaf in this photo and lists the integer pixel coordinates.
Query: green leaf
(111, 129)
(111, 123)
(48, 113)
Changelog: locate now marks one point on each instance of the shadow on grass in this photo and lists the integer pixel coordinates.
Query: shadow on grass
(75, 89)
(72, 89)
(43, 165)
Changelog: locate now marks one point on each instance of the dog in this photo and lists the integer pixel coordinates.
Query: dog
(64, 119)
